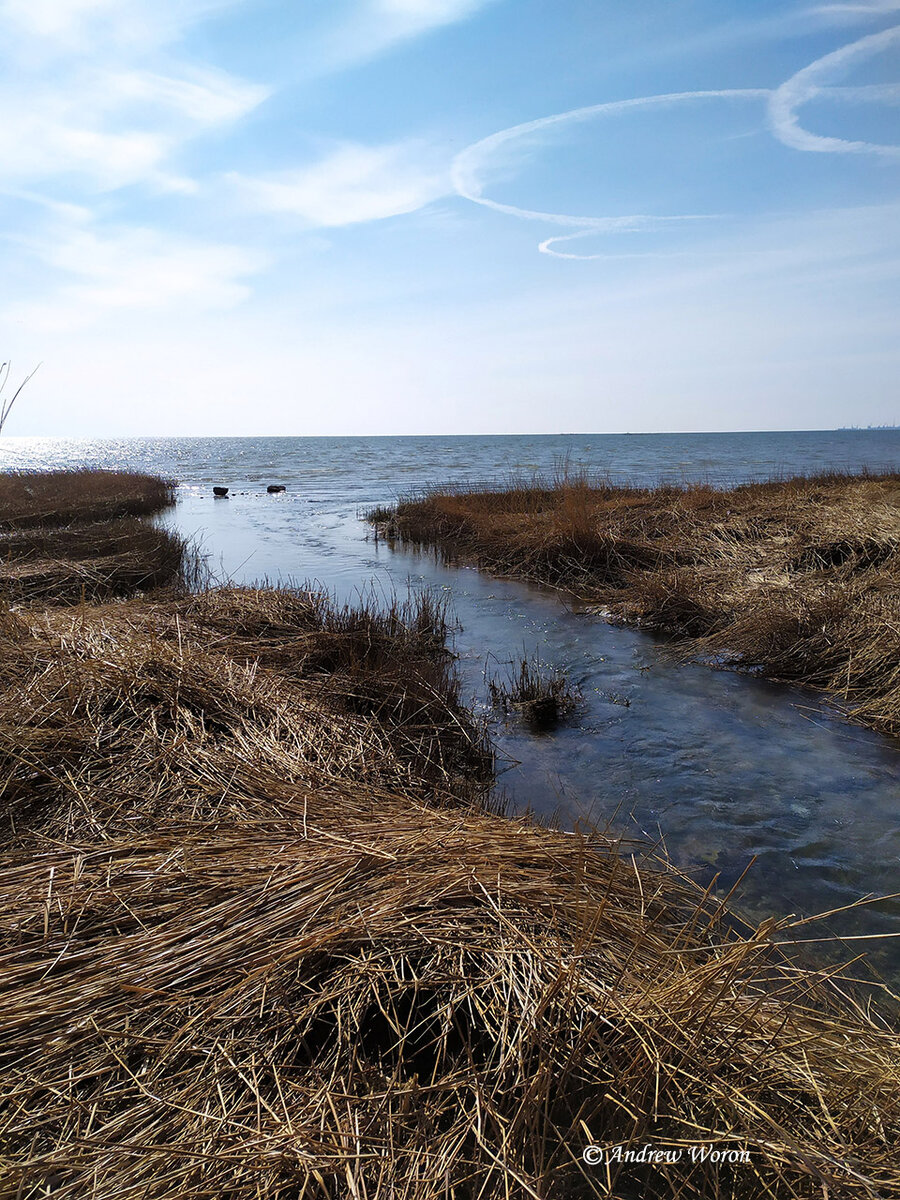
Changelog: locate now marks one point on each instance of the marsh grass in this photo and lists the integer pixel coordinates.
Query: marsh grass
(69, 537)
(47, 498)
(797, 579)
(260, 941)
(91, 562)
(262, 938)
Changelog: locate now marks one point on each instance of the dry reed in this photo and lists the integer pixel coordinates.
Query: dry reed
(72, 536)
(78, 495)
(541, 694)
(261, 938)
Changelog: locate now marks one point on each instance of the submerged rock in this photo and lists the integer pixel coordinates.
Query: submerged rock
(275, 487)
(221, 492)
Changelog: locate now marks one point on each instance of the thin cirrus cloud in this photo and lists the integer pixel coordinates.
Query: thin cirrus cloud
(350, 185)
(113, 128)
(417, 15)
(43, 143)
(86, 25)
(90, 91)
(856, 11)
(199, 95)
(370, 28)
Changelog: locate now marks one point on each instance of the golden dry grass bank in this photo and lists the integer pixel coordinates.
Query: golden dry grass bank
(261, 937)
(77, 535)
(798, 579)
(68, 497)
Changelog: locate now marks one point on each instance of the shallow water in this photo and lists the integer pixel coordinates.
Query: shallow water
(720, 767)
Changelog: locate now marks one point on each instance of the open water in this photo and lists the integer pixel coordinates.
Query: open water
(723, 768)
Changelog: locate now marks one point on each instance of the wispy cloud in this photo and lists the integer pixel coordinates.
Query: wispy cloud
(857, 11)
(66, 26)
(87, 91)
(115, 128)
(405, 17)
(370, 28)
(198, 94)
(128, 268)
(351, 184)
(788, 23)
(45, 141)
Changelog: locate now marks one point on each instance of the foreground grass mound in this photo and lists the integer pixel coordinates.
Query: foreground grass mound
(261, 938)
(69, 536)
(798, 579)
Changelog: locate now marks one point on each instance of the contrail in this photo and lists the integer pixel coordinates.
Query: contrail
(469, 163)
(807, 84)
(782, 102)
(546, 247)
(860, 10)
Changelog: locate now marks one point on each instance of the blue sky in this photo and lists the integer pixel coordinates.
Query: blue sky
(449, 216)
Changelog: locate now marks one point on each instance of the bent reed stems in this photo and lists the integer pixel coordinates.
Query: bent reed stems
(797, 579)
(262, 937)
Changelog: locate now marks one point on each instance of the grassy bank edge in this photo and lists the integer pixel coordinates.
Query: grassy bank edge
(797, 579)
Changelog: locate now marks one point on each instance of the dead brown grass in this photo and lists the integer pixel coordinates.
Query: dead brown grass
(260, 939)
(80, 495)
(72, 536)
(540, 694)
(798, 579)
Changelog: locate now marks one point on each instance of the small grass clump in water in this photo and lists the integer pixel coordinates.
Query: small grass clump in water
(539, 693)
(796, 579)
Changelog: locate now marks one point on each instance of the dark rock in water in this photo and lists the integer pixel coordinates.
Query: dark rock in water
(275, 487)
(220, 491)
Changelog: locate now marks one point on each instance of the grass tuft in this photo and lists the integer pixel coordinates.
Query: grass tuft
(541, 694)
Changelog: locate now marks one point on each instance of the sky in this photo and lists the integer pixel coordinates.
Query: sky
(262, 217)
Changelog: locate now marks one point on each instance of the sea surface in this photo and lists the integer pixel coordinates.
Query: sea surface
(727, 771)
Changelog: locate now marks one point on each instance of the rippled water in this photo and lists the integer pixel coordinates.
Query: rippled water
(721, 767)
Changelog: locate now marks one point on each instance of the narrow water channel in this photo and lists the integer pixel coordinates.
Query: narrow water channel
(723, 769)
